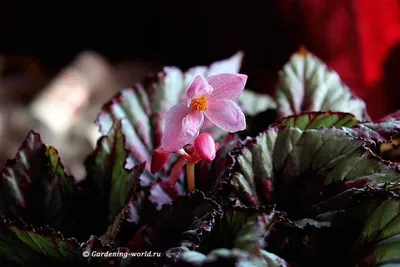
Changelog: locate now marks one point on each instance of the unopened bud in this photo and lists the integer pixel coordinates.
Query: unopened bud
(158, 160)
(205, 146)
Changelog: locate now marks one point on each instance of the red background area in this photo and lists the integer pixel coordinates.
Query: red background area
(360, 40)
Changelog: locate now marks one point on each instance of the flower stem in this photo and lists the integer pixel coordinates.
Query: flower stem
(176, 171)
(190, 176)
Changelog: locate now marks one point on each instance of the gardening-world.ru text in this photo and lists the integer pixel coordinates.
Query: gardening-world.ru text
(109, 254)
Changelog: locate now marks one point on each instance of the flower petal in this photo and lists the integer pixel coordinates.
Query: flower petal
(198, 88)
(207, 125)
(226, 114)
(227, 86)
(174, 136)
(192, 123)
(191, 74)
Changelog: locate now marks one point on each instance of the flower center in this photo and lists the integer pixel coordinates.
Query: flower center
(199, 104)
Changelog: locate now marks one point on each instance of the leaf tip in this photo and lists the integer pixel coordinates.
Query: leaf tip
(303, 51)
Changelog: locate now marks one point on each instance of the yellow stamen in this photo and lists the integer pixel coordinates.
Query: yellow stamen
(199, 104)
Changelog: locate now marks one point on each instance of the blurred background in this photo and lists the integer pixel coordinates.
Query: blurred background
(59, 63)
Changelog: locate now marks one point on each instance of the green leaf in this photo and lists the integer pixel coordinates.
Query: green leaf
(108, 185)
(377, 132)
(230, 258)
(315, 120)
(24, 245)
(296, 168)
(113, 230)
(35, 188)
(248, 229)
(307, 84)
(321, 175)
(137, 209)
(253, 233)
(177, 227)
(187, 220)
(379, 242)
(352, 224)
(370, 225)
(382, 138)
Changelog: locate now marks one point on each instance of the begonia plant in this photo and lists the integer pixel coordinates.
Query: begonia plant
(194, 169)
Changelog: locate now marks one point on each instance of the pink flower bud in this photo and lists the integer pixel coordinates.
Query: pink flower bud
(158, 160)
(205, 146)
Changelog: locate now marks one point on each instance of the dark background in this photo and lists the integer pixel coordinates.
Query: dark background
(182, 33)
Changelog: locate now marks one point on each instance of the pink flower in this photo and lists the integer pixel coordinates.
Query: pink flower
(212, 97)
